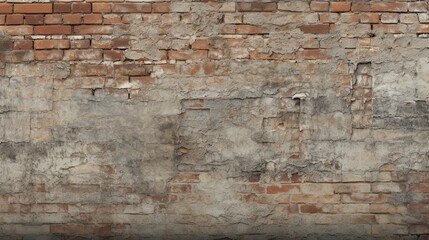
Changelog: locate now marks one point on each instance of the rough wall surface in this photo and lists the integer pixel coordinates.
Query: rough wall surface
(214, 120)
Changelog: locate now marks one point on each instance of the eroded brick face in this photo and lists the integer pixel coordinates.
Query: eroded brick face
(214, 119)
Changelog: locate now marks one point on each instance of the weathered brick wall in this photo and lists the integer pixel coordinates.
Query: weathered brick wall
(214, 120)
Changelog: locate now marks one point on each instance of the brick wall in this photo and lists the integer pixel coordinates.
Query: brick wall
(214, 120)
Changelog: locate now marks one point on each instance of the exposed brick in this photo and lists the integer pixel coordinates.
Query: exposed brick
(132, 8)
(53, 19)
(319, 6)
(6, 8)
(52, 30)
(340, 6)
(34, 19)
(389, 7)
(101, 7)
(103, 44)
(17, 30)
(81, 7)
(114, 55)
(23, 44)
(418, 6)
(250, 29)
(111, 19)
(76, 55)
(200, 44)
(316, 29)
(369, 18)
(121, 43)
(274, 189)
(51, 44)
(310, 209)
(161, 7)
(93, 19)
(15, 19)
(80, 44)
(62, 7)
(389, 18)
(72, 19)
(6, 45)
(361, 6)
(33, 8)
(48, 55)
(256, 7)
(93, 30)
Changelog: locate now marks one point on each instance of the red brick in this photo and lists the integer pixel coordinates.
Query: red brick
(418, 6)
(369, 18)
(94, 30)
(53, 19)
(340, 6)
(316, 28)
(33, 8)
(101, 7)
(81, 8)
(103, 44)
(6, 45)
(200, 44)
(161, 7)
(361, 7)
(77, 55)
(256, 7)
(185, 177)
(72, 19)
(319, 6)
(310, 209)
(2, 19)
(274, 189)
(15, 19)
(250, 29)
(389, 7)
(193, 55)
(62, 7)
(23, 44)
(114, 55)
(121, 43)
(132, 8)
(48, 55)
(312, 54)
(111, 19)
(88, 70)
(17, 30)
(34, 19)
(51, 44)
(52, 30)
(92, 19)
(80, 44)
(6, 8)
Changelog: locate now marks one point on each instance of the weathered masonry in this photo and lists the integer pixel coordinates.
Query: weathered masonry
(156, 119)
